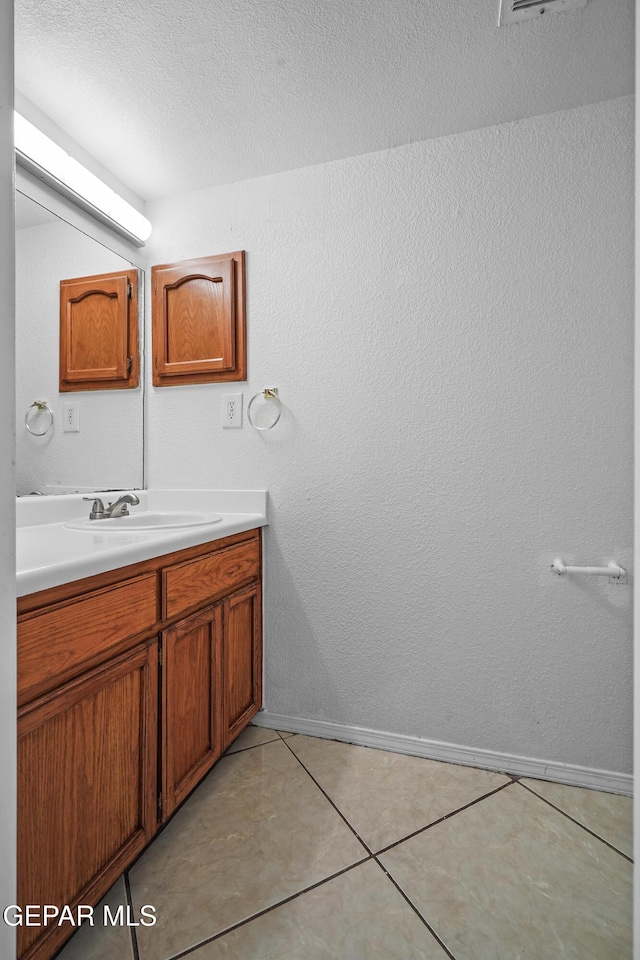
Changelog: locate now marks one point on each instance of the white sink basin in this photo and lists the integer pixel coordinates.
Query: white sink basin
(146, 520)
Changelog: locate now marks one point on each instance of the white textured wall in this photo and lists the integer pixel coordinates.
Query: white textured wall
(7, 494)
(450, 327)
(107, 452)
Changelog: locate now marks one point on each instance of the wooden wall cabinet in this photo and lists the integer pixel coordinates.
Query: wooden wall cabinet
(99, 332)
(121, 715)
(198, 320)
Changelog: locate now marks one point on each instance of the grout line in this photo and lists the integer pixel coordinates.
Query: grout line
(422, 830)
(270, 909)
(409, 835)
(129, 896)
(325, 794)
(252, 746)
(370, 856)
(415, 909)
(447, 816)
(573, 820)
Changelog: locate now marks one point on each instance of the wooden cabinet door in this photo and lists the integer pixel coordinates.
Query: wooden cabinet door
(241, 660)
(99, 332)
(191, 703)
(198, 314)
(87, 785)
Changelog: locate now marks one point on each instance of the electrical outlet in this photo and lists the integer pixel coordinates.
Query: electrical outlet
(71, 418)
(231, 410)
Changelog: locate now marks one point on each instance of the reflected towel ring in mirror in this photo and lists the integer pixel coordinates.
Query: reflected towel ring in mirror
(42, 407)
(264, 416)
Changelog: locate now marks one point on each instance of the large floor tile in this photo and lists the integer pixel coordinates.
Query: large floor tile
(103, 942)
(511, 878)
(253, 737)
(256, 831)
(608, 815)
(357, 916)
(386, 796)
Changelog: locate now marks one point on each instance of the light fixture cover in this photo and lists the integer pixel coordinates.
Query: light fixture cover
(40, 155)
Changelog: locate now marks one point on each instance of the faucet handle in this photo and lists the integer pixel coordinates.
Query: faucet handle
(97, 510)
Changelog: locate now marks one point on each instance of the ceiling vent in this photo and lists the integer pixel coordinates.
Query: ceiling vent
(513, 11)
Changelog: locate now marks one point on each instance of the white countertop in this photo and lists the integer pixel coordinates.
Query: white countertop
(49, 554)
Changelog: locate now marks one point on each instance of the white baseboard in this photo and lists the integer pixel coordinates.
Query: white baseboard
(571, 774)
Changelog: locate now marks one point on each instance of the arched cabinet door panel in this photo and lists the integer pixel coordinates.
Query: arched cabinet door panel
(99, 332)
(199, 326)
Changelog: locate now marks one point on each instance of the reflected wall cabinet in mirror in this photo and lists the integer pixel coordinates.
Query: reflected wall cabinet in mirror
(104, 449)
(199, 325)
(99, 332)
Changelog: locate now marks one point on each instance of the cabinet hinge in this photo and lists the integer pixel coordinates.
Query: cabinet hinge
(129, 364)
(160, 805)
(130, 290)
(160, 656)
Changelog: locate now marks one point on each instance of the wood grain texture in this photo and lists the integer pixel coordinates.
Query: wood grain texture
(191, 703)
(241, 661)
(67, 637)
(99, 332)
(77, 588)
(188, 585)
(199, 320)
(199, 317)
(87, 775)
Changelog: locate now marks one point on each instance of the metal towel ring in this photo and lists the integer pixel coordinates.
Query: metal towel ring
(271, 393)
(40, 405)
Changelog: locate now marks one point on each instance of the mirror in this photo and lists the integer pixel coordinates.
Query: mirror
(107, 450)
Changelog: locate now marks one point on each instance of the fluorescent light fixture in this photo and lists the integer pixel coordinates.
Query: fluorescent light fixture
(50, 163)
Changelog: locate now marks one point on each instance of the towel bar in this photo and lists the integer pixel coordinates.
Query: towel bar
(612, 570)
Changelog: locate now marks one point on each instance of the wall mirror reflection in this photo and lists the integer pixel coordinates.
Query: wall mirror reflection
(98, 443)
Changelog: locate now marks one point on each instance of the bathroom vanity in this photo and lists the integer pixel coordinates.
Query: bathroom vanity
(132, 681)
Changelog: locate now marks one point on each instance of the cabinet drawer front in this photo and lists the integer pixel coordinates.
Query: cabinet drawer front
(196, 582)
(55, 644)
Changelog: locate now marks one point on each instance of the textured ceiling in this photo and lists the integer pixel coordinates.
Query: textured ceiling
(173, 96)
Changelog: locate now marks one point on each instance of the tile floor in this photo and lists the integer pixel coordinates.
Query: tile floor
(295, 848)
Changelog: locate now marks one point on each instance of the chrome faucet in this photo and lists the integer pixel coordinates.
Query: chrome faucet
(119, 508)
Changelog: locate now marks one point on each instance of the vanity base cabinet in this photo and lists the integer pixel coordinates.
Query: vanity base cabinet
(211, 688)
(191, 704)
(131, 684)
(87, 781)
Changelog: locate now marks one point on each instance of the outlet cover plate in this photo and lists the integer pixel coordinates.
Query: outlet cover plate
(231, 411)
